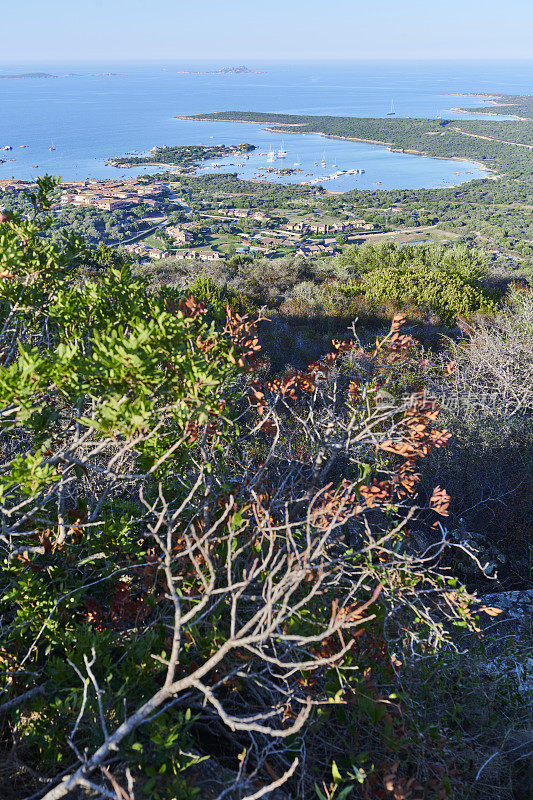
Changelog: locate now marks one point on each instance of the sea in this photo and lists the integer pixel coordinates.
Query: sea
(71, 124)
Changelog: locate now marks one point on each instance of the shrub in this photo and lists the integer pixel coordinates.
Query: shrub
(448, 294)
(468, 262)
(487, 401)
(191, 553)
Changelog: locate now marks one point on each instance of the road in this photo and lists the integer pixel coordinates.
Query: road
(142, 234)
(490, 138)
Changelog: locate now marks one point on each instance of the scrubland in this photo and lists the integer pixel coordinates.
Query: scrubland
(247, 517)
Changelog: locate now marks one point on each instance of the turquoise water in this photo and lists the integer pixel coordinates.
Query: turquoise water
(89, 117)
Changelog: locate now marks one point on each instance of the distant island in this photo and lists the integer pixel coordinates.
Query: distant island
(240, 70)
(49, 75)
(30, 75)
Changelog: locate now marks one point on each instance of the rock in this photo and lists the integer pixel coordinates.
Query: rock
(516, 604)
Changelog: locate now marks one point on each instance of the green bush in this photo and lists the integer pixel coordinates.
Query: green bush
(448, 294)
(468, 262)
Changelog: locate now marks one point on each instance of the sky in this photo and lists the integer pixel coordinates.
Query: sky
(238, 30)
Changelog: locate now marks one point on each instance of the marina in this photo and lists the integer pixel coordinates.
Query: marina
(334, 164)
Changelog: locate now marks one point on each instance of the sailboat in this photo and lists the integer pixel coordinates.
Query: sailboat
(51, 146)
(281, 152)
(271, 154)
(297, 163)
(324, 157)
(392, 112)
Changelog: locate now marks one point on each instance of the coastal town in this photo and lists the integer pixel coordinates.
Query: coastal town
(167, 226)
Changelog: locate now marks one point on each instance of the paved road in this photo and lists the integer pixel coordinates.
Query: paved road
(142, 234)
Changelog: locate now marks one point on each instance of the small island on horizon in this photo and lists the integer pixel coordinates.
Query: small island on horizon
(49, 75)
(238, 70)
(30, 75)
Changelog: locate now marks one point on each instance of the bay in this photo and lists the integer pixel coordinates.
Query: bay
(91, 116)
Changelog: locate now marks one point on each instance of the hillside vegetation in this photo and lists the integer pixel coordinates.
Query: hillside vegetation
(227, 578)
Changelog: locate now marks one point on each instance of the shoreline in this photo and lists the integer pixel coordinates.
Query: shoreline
(488, 114)
(388, 145)
(167, 167)
(493, 99)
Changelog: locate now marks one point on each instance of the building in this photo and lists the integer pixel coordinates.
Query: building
(110, 204)
(14, 186)
(315, 250)
(270, 241)
(360, 224)
(199, 255)
(240, 213)
(322, 228)
(179, 235)
(147, 252)
(260, 216)
(318, 228)
(107, 195)
(298, 227)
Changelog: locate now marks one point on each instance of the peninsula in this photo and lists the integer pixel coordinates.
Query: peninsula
(519, 106)
(501, 147)
(186, 157)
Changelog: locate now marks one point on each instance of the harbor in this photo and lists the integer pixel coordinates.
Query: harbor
(336, 165)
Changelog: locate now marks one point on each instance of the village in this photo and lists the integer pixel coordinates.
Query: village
(197, 235)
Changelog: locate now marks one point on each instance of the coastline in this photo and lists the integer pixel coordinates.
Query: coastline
(388, 145)
(493, 99)
(488, 113)
(167, 167)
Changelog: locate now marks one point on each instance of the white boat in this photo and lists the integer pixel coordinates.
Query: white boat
(392, 112)
(281, 152)
(297, 163)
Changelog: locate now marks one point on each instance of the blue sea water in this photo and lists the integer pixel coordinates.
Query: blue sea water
(91, 116)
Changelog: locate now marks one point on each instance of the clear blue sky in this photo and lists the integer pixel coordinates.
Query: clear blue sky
(236, 30)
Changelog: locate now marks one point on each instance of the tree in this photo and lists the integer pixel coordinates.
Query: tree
(104, 257)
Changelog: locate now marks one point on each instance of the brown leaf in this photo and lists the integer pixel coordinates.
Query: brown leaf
(491, 610)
